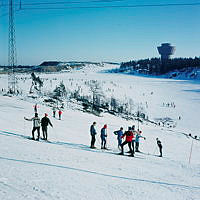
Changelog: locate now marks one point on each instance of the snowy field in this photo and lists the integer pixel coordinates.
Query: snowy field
(66, 168)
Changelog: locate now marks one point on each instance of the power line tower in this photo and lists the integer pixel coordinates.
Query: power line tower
(12, 55)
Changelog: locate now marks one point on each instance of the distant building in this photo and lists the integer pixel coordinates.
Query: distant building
(166, 50)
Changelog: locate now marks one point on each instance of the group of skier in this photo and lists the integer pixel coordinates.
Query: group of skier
(131, 137)
(44, 122)
(37, 123)
(59, 112)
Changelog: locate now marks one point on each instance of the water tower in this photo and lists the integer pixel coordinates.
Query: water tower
(166, 50)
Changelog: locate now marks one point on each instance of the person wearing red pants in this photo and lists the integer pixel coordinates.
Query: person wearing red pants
(59, 114)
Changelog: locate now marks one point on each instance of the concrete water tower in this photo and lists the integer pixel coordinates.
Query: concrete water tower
(166, 50)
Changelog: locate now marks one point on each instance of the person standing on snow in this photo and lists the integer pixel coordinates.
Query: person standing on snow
(59, 114)
(119, 134)
(133, 141)
(35, 108)
(93, 134)
(129, 137)
(160, 146)
(137, 140)
(36, 125)
(45, 121)
(54, 112)
(103, 136)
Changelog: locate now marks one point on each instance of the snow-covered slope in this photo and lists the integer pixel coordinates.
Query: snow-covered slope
(67, 168)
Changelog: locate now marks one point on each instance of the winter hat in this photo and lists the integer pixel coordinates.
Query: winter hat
(45, 114)
(105, 126)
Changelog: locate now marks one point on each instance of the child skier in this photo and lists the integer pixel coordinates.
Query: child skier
(119, 134)
(36, 125)
(103, 136)
(160, 146)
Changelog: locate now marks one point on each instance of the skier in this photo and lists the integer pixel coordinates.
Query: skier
(93, 133)
(119, 134)
(103, 136)
(129, 137)
(133, 141)
(54, 112)
(35, 108)
(45, 121)
(160, 146)
(36, 125)
(59, 114)
(137, 140)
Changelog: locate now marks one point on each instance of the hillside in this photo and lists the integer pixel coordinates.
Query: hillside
(66, 168)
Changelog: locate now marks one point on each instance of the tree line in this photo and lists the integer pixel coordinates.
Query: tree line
(156, 66)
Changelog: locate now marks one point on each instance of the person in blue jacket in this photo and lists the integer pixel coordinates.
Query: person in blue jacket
(137, 140)
(103, 136)
(119, 134)
(93, 133)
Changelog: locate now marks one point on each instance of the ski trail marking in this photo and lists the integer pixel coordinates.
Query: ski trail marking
(105, 175)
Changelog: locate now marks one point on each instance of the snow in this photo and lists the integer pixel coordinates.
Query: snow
(66, 168)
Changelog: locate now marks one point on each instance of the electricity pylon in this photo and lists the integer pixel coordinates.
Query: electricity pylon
(12, 56)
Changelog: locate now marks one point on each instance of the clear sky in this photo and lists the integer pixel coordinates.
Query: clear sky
(100, 34)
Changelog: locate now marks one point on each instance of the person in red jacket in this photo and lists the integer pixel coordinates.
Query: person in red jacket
(128, 140)
(59, 114)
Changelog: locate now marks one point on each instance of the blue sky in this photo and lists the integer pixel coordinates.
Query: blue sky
(106, 34)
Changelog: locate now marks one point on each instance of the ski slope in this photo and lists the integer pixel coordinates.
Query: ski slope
(66, 168)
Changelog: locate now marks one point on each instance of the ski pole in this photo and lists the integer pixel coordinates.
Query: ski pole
(154, 151)
(24, 127)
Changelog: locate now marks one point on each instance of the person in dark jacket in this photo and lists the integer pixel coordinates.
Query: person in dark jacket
(93, 134)
(36, 125)
(35, 108)
(129, 138)
(160, 146)
(45, 121)
(119, 134)
(103, 136)
(54, 112)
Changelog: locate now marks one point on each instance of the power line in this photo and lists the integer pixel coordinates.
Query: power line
(6, 14)
(66, 2)
(93, 7)
(113, 6)
(103, 6)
